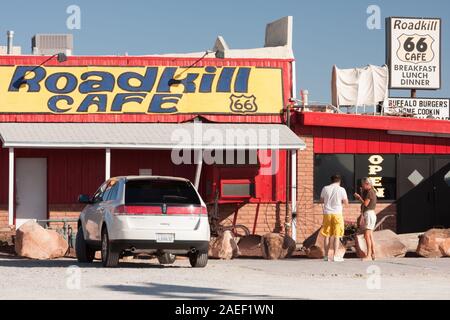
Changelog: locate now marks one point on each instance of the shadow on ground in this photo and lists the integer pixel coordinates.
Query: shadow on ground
(18, 262)
(169, 291)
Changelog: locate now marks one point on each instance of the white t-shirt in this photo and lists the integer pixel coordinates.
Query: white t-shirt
(332, 196)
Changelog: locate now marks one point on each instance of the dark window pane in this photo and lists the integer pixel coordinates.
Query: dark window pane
(327, 165)
(106, 194)
(98, 195)
(160, 191)
(381, 168)
(237, 189)
(113, 192)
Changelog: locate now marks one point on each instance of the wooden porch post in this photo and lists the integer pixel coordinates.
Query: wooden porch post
(107, 164)
(294, 194)
(11, 187)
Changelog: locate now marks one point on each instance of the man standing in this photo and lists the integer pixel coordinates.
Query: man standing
(368, 201)
(333, 197)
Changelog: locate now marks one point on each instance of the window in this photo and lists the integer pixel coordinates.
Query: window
(111, 188)
(105, 196)
(242, 188)
(160, 191)
(111, 191)
(98, 195)
(380, 167)
(327, 165)
(114, 192)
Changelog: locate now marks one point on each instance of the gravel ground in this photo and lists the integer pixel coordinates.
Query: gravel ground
(408, 278)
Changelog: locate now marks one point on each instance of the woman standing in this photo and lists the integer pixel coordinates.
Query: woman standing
(368, 199)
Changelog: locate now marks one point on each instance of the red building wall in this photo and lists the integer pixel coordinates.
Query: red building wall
(309, 212)
(74, 172)
(350, 140)
(332, 140)
(69, 172)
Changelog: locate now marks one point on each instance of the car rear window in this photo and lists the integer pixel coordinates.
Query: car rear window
(160, 191)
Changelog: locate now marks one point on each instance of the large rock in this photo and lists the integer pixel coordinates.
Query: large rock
(434, 243)
(387, 245)
(7, 235)
(315, 247)
(445, 247)
(250, 246)
(223, 247)
(33, 241)
(276, 246)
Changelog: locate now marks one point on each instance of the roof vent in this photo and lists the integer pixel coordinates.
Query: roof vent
(50, 44)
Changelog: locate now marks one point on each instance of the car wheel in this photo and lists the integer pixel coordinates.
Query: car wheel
(110, 258)
(166, 258)
(198, 259)
(83, 251)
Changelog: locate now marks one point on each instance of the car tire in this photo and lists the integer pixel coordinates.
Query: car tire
(166, 258)
(84, 253)
(198, 259)
(110, 257)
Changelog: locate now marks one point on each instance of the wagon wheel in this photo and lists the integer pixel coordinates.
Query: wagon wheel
(379, 225)
(234, 230)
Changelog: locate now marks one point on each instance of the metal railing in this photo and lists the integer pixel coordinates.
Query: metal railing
(66, 230)
(381, 109)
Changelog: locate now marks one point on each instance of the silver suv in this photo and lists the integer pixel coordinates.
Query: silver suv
(164, 216)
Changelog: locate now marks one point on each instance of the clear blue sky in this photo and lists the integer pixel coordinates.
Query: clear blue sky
(325, 32)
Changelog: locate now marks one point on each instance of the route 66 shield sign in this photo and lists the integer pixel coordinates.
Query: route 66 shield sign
(415, 48)
(243, 104)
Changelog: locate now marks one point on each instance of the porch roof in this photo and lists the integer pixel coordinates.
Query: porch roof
(150, 136)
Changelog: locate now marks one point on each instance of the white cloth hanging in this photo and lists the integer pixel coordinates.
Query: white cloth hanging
(359, 86)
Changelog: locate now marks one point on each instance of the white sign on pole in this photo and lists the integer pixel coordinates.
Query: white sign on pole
(413, 53)
(422, 107)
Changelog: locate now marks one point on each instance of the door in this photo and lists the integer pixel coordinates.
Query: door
(441, 179)
(424, 190)
(103, 204)
(92, 212)
(415, 189)
(31, 189)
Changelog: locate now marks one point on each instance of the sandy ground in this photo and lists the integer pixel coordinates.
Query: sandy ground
(407, 278)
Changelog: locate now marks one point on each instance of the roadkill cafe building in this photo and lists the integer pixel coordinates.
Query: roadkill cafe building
(223, 119)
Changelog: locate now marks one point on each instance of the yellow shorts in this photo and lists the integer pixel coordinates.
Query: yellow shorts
(333, 225)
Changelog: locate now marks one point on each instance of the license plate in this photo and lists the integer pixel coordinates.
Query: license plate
(165, 237)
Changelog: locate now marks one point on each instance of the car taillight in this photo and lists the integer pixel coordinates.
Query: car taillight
(187, 210)
(138, 210)
(135, 210)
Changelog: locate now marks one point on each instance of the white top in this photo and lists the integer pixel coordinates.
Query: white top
(147, 136)
(333, 195)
